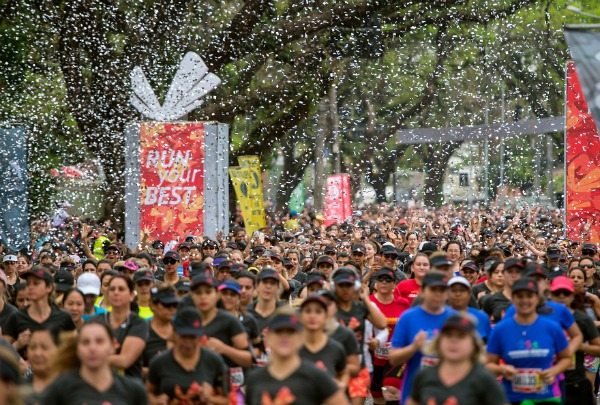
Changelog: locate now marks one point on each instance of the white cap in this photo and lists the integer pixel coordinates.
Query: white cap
(89, 283)
(459, 280)
(9, 258)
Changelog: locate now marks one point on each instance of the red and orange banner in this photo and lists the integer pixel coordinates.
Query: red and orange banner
(338, 199)
(582, 198)
(172, 180)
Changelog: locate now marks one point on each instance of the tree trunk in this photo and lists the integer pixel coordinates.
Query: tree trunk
(322, 130)
(436, 162)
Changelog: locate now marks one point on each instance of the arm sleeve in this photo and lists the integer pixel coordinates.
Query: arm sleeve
(52, 395)
(566, 319)
(236, 327)
(340, 363)
(588, 329)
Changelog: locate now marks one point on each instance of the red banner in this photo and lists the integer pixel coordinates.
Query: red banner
(172, 180)
(583, 165)
(338, 199)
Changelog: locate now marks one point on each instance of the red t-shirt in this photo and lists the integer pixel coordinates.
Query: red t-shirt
(407, 289)
(392, 312)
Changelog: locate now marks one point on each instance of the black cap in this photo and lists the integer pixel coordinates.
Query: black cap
(428, 247)
(285, 321)
(183, 285)
(330, 295)
(525, 284)
(385, 272)
(346, 277)
(589, 249)
(209, 243)
(187, 322)
(226, 264)
(112, 247)
(184, 245)
(164, 296)
(143, 275)
(258, 250)
(553, 252)
(40, 273)
(325, 259)
(171, 254)
(459, 322)
(470, 265)
(287, 263)
(197, 269)
(315, 278)
(203, 279)
(158, 244)
(358, 248)
(329, 249)
(268, 273)
(533, 269)
(315, 298)
(514, 262)
(435, 279)
(440, 260)
(389, 250)
(63, 279)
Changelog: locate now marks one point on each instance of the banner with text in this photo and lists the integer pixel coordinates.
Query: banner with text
(247, 183)
(582, 197)
(171, 180)
(338, 199)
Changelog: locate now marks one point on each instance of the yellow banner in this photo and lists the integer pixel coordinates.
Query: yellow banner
(247, 183)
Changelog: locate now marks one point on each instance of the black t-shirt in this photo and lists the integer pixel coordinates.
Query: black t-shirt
(168, 377)
(308, 385)
(20, 321)
(71, 389)
(481, 288)
(495, 305)
(331, 357)
(133, 326)
(347, 339)
(154, 345)
(250, 325)
(7, 311)
(224, 327)
(478, 387)
(589, 331)
(354, 319)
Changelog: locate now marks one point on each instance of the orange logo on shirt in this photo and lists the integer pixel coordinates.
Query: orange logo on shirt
(284, 397)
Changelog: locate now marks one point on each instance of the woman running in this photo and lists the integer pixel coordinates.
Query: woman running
(410, 289)
(83, 363)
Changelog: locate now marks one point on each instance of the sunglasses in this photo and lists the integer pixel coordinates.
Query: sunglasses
(390, 256)
(586, 266)
(564, 293)
(169, 261)
(169, 305)
(385, 280)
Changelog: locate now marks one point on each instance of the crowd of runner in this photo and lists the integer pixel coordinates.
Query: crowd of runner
(395, 305)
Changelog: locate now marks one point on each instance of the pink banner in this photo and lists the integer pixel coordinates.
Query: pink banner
(338, 199)
(172, 180)
(583, 165)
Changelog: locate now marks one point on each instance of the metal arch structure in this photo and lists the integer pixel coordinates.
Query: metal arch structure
(504, 130)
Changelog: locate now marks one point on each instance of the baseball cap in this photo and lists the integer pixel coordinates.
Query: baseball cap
(183, 285)
(202, 279)
(166, 296)
(385, 272)
(440, 260)
(131, 265)
(188, 322)
(358, 248)
(171, 254)
(112, 247)
(63, 280)
(225, 264)
(325, 259)
(325, 293)
(513, 262)
(562, 283)
(589, 249)
(208, 243)
(315, 298)
(285, 321)
(329, 249)
(533, 269)
(197, 269)
(435, 279)
(268, 273)
(40, 273)
(143, 275)
(553, 252)
(470, 266)
(315, 278)
(459, 322)
(89, 283)
(525, 284)
(9, 258)
(230, 285)
(345, 276)
(184, 245)
(427, 247)
(158, 244)
(459, 280)
(388, 250)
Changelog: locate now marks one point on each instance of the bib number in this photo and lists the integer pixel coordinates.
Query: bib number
(236, 377)
(383, 352)
(429, 361)
(527, 381)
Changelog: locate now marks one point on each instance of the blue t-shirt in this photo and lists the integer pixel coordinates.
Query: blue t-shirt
(483, 322)
(554, 311)
(97, 311)
(529, 348)
(409, 325)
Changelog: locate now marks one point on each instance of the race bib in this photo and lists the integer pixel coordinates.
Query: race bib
(383, 352)
(528, 380)
(236, 377)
